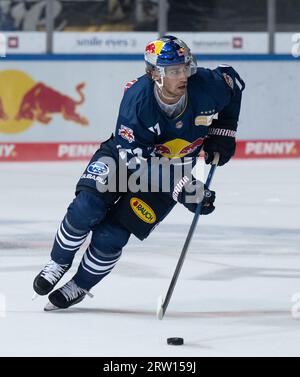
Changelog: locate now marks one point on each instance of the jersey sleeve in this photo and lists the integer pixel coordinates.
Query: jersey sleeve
(131, 131)
(232, 86)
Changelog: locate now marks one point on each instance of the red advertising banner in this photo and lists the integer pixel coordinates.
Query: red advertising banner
(46, 151)
(268, 149)
(246, 149)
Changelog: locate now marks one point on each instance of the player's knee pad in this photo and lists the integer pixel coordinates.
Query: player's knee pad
(109, 238)
(141, 212)
(85, 211)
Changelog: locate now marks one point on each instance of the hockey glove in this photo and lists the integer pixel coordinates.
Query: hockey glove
(224, 145)
(191, 192)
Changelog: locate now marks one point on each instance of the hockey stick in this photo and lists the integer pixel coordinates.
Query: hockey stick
(163, 304)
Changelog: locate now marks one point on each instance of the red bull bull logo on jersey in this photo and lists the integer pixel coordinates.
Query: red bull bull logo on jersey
(178, 148)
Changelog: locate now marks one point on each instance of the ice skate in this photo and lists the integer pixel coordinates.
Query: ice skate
(66, 296)
(47, 279)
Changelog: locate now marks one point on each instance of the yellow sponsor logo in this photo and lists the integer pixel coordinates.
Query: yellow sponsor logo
(203, 120)
(142, 210)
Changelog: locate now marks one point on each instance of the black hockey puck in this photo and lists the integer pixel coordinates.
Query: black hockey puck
(175, 341)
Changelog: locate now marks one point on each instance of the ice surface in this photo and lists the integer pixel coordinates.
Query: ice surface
(234, 294)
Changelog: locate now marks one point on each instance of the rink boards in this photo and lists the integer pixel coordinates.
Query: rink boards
(68, 151)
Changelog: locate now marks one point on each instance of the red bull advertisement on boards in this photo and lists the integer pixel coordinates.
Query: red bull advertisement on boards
(25, 102)
(46, 115)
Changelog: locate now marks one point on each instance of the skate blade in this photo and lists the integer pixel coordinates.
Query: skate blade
(35, 296)
(50, 307)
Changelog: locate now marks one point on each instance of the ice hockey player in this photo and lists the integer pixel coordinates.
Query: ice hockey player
(173, 111)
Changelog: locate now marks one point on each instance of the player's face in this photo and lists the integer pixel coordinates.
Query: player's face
(178, 71)
(175, 80)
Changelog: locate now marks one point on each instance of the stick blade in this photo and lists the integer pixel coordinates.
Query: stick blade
(159, 308)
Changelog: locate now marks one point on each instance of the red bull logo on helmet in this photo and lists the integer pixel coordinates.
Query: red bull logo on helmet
(150, 48)
(181, 51)
(155, 47)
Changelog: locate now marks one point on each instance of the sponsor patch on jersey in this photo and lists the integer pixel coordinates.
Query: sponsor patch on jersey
(98, 168)
(179, 124)
(95, 177)
(204, 120)
(178, 148)
(126, 133)
(142, 210)
(228, 80)
(129, 84)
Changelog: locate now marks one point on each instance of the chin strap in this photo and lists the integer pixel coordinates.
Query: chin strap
(160, 89)
(160, 84)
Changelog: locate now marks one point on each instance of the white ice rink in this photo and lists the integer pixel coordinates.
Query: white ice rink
(233, 297)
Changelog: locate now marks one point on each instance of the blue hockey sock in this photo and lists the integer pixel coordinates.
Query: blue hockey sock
(67, 241)
(94, 266)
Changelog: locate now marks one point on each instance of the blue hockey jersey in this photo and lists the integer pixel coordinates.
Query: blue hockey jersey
(213, 101)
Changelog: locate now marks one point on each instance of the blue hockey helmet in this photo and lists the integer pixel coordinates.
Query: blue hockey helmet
(168, 51)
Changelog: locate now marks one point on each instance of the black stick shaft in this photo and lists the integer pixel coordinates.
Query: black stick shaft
(186, 245)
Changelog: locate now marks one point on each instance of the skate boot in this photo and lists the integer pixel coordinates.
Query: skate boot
(50, 275)
(66, 296)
